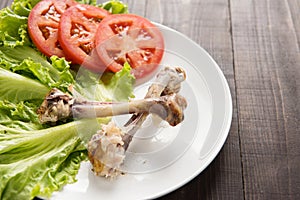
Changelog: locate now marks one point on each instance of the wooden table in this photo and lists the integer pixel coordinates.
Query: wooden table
(256, 44)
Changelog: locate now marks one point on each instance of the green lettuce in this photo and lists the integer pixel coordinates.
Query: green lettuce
(37, 159)
(18, 54)
(13, 28)
(27, 61)
(113, 86)
(36, 163)
(20, 115)
(16, 88)
(114, 7)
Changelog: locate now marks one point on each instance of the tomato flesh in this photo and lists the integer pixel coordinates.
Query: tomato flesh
(77, 29)
(129, 38)
(43, 22)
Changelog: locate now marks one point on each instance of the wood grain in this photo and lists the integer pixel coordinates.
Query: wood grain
(266, 59)
(3, 4)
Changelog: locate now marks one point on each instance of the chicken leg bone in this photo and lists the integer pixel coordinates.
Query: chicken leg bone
(107, 148)
(58, 105)
(169, 108)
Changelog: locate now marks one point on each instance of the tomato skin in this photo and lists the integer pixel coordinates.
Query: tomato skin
(43, 22)
(77, 29)
(129, 38)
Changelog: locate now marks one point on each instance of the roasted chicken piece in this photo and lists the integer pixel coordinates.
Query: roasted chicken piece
(107, 148)
(60, 106)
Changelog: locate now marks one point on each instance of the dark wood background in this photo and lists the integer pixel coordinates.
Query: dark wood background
(256, 44)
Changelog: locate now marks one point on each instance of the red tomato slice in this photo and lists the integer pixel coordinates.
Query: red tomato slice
(77, 29)
(129, 38)
(43, 23)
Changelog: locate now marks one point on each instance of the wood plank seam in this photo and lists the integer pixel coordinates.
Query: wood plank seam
(236, 92)
(281, 100)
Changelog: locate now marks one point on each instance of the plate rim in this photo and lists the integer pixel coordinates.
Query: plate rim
(226, 129)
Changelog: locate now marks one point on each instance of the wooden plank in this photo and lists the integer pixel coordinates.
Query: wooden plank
(208, 24)
(267, 71)
(294, 6)
(136, 7)
(5, 3)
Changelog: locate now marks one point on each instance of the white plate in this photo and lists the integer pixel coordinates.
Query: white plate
(171, 156)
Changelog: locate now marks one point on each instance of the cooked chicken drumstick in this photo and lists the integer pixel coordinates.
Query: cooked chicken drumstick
(168, 81)
(107, 148)
(60, 106)
(169, 108)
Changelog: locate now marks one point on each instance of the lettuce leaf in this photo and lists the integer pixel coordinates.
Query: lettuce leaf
(36, 159)
(39, 162)
(13, 29)
(20, 115)
(27, 61)
(105, 87)
(16, 88)
(115, 7)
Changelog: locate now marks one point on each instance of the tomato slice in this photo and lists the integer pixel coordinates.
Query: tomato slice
(129, 38)
(77, 29)
(43, 22)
